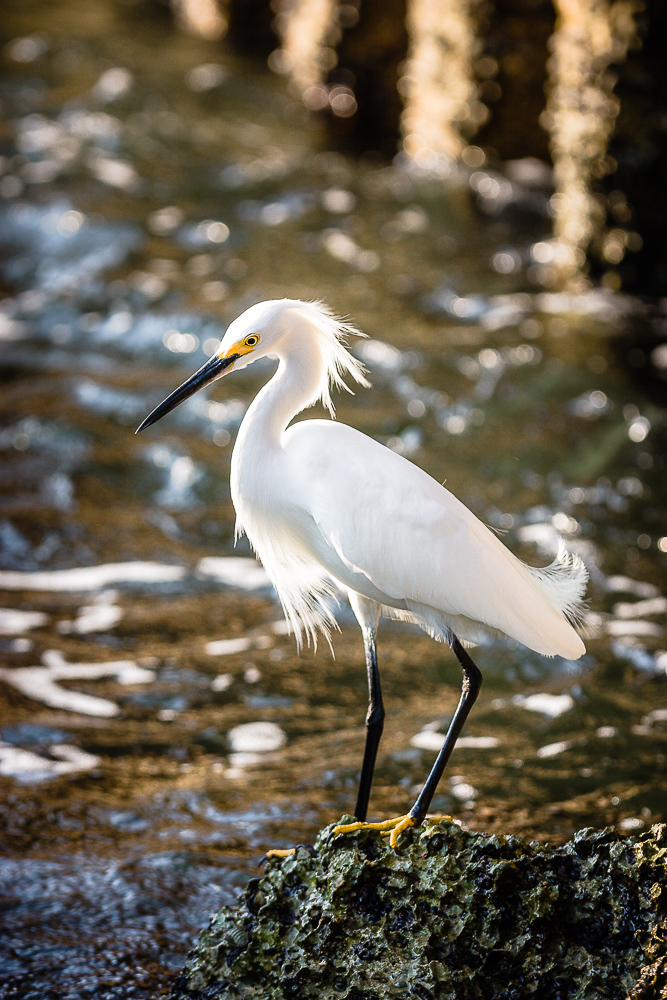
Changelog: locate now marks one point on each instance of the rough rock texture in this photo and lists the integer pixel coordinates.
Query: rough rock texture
(449, 914)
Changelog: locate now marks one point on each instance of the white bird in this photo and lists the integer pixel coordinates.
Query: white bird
(326, 507)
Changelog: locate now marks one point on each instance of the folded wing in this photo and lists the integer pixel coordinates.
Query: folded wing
(415, 542)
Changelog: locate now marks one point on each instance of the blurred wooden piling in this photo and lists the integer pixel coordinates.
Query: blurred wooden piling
(522, 78)
(589, 39)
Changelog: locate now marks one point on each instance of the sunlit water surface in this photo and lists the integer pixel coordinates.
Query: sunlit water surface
(159, 731)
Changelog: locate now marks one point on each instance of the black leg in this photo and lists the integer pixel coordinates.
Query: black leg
(472, 681)
(374, 724)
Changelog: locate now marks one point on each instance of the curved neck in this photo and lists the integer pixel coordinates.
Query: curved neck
(296, 385)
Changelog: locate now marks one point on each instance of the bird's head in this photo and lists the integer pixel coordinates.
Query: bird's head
(262, 331)
(259, 331)
(250, 336)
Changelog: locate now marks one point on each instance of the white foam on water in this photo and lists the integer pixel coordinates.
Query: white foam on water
(554, 749)
(93, 618)
(235, 571)
(430, 740)
(551, 705)
(636, 609)
(14, 622)
(41, 682)
(256, 738)
(624, 584)
(240, 760)
(222, 682)
(226, 647)
(477, 742)
(81, 578)
(629, 627)
(463, 790)
(29, 767)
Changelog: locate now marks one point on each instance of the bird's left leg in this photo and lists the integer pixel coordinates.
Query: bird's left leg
(472, 681)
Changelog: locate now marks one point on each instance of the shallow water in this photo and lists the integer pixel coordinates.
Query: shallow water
(154, 186)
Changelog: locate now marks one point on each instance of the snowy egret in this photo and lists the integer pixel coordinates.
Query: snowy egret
(326, 507)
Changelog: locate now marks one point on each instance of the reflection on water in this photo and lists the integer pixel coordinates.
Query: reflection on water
(158, 731)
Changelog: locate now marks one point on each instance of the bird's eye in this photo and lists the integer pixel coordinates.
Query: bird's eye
(251, 340)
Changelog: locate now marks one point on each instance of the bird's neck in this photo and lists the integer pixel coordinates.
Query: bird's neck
(297, 384)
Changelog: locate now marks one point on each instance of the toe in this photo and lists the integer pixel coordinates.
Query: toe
(404, 823)
(277, 852)
(393, 827)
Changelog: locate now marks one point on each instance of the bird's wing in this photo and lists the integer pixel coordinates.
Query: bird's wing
(414, 541)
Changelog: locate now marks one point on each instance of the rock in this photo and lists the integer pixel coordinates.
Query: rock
(450, 913)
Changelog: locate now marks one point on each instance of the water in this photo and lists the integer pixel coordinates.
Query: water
(154, 186)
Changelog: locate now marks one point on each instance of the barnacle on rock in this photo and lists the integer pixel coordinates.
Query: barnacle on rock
(451, 914)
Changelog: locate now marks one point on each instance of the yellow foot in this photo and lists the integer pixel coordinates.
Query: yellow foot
(392, 828)
(279, 852)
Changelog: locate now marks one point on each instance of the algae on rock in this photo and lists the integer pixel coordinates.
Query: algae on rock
(449, 914)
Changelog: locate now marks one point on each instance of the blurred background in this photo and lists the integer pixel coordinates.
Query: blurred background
(477, 187)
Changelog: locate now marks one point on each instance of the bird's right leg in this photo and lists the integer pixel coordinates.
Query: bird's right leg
(368, 615)
(374, 724)
(374, 727)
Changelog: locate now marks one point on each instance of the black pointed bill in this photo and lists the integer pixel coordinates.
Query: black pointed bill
(209, 372)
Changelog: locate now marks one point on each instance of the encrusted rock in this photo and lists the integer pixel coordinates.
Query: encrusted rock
(449, 914)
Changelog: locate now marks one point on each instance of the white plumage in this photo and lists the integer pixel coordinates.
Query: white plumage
(322, 503)
(326, 507)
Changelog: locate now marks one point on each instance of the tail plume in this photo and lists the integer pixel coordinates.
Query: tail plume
(563, 583)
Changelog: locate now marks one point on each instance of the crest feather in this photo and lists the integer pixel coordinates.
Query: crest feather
(332, 333)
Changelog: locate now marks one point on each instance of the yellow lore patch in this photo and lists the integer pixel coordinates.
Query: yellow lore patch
(241, 347)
